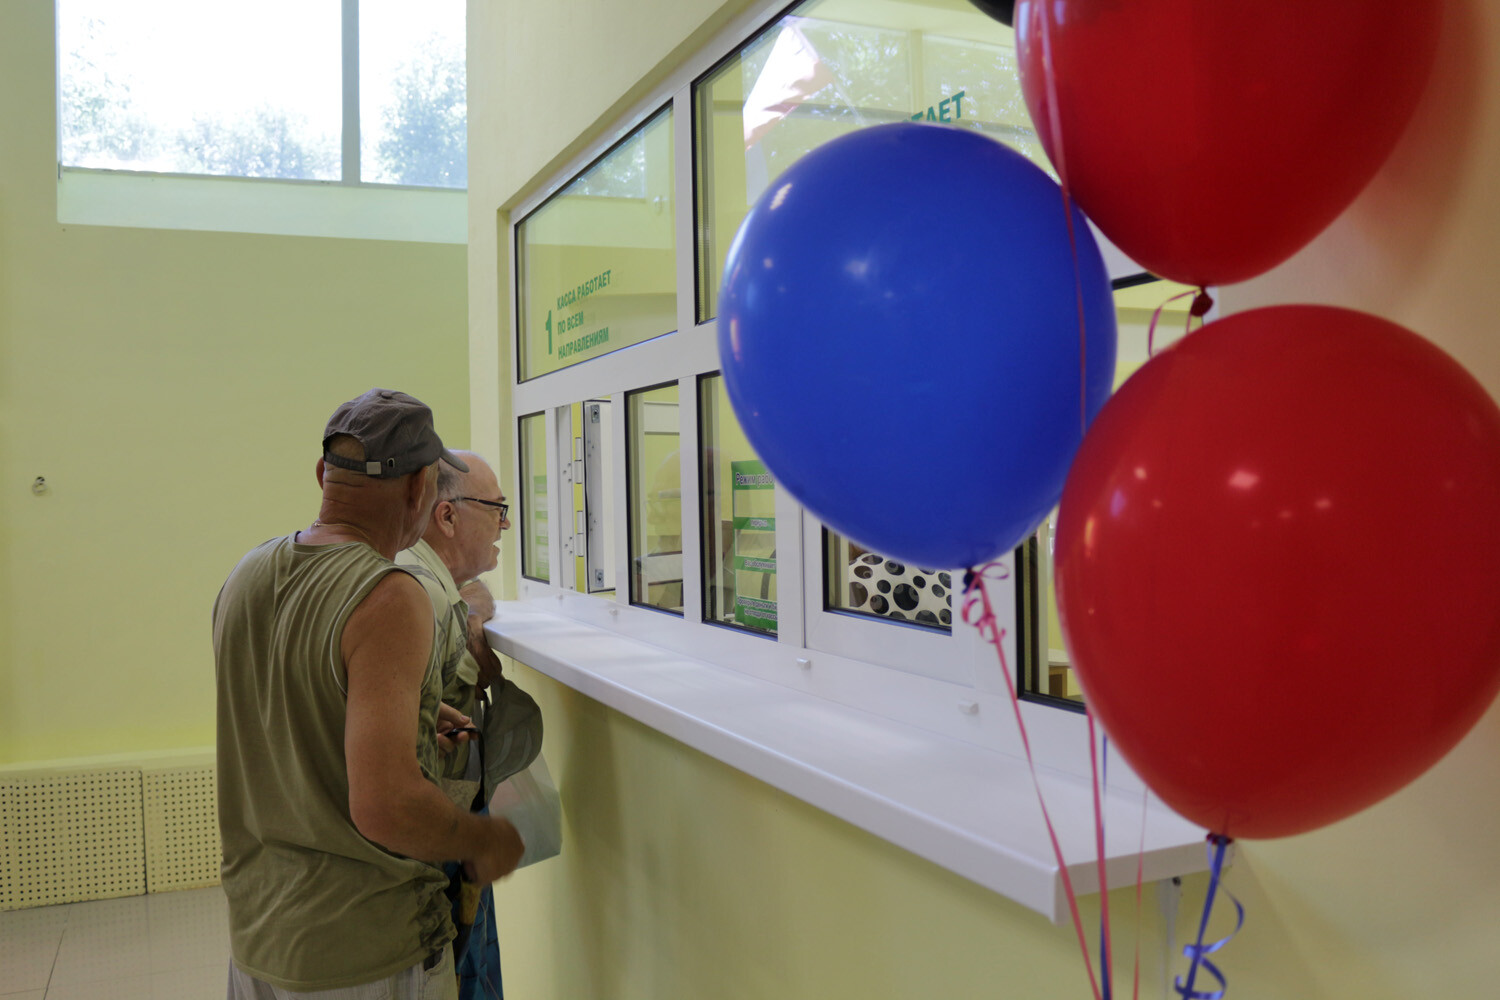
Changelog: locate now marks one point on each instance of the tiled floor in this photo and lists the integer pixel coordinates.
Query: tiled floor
(165, 946)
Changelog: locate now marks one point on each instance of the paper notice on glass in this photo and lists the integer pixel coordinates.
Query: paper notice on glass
(530, 801)
(792, 73)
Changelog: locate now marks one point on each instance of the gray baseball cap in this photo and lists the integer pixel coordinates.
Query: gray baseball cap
(396, 431)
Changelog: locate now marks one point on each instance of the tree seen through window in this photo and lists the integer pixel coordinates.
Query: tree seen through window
(172, 86)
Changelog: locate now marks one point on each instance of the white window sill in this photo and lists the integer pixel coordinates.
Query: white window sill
(969, 809)
(241, 205)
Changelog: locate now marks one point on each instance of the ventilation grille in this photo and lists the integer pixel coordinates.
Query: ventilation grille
(66, 837)
(182, 829)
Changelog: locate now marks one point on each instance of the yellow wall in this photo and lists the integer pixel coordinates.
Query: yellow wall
(682, 878)
(172, 387)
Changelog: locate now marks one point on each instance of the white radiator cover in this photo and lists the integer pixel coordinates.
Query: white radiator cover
(182, 828)
(94, 831)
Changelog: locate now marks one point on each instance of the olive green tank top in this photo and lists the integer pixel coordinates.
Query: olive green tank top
(312, 904)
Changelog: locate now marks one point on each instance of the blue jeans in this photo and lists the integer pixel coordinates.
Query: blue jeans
(476, 948)
(479, 967)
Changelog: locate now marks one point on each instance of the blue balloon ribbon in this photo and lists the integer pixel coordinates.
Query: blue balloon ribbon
(1199, 952)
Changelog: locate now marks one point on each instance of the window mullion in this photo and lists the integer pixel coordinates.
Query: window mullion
(620, 489)
(683, 128)
(689, 452)
(795, 599)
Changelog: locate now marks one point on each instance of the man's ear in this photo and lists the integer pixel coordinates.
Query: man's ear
(445, 516)
(321, 466)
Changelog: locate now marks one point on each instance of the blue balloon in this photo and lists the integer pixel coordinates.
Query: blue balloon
(899, 335)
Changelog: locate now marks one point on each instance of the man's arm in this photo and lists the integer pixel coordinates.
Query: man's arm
(481, 609)
(481, 602)
(386, 645)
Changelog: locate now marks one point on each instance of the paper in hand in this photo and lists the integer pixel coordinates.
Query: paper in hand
(530, 801)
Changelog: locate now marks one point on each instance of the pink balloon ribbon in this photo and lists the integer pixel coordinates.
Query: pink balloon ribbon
(978, 614)
(1156, 317)
(1201, 304)
(1067, 200)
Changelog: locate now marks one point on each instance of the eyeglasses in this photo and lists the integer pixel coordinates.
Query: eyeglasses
(503, 508)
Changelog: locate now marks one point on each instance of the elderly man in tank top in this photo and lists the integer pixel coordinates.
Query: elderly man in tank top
(461, 542)
(329, 684)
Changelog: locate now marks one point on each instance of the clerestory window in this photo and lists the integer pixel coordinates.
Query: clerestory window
(351, 92)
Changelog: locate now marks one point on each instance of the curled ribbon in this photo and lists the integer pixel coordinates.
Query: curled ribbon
(1197, 309)
(1199, 951)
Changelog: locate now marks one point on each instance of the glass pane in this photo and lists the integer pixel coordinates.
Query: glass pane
(739, 519)
(655, 487)
(412, 107)
(142, 88)
(867, 583)
(828, 68)
(532, 495)
(1134, 309)
(597, 263)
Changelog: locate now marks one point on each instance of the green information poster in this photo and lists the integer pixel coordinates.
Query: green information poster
(754, 511)
(539, 516)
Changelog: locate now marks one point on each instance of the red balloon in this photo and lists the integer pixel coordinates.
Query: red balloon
(1278, 566)
(1212, 139)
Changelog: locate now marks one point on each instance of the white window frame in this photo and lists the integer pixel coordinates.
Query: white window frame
(862, 666)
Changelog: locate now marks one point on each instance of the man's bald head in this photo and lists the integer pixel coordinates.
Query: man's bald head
(466, 523)
(451, 482)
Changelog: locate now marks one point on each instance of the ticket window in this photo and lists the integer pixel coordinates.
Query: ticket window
(739, 519)
(585, 471)
(863, 582)
(655, 490)
(532, 498)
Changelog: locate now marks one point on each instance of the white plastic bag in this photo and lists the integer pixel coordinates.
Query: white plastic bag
(530, 801)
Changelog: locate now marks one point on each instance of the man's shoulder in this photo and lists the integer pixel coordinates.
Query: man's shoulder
(282, 570)
(418, 555)
(271, 548)
(252, 582)
(423, 562)
(258, 559)
(424, 557)
(395, 593)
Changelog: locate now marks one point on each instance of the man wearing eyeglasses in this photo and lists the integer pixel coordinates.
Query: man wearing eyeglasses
(462, 541)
